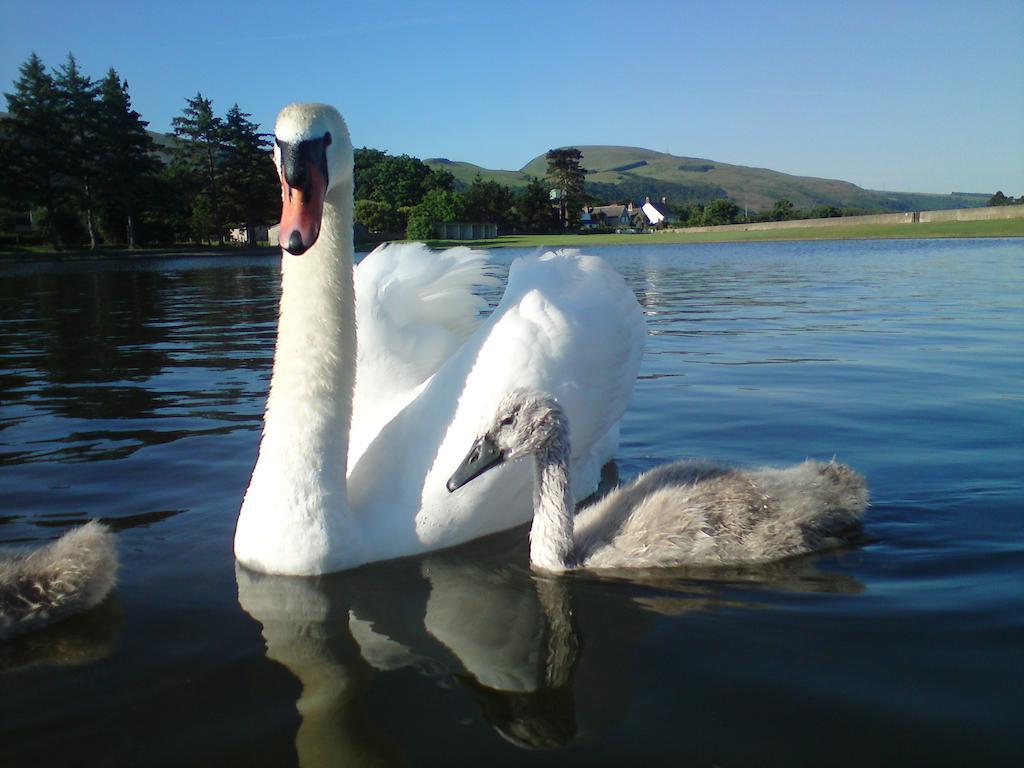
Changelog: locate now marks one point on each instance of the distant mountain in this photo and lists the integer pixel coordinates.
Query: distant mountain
(631, 172)
(621, 172)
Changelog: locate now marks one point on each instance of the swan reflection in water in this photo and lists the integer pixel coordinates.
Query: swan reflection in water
(509, 642)
(512, 640)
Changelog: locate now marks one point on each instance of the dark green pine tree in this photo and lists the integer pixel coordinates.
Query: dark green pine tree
(488, 201)
(35, 142)
(78, 97)
(567, 175)
(200, 150)
(126, 160)
(251, 191)
(10, 206)
(533, 207)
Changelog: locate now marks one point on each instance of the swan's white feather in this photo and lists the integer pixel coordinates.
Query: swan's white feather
(414, 308)
(566, 324)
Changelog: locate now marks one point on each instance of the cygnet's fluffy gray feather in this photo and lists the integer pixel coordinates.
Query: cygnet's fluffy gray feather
(42, 586)
(701, 513)
(686, 513)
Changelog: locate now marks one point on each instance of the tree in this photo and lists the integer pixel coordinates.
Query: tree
(9, 203)
(250, 186)
(201, 220)
(365, 166)
(825, 212)
(488, 202)
(35, 140)
(402, 180)
(441, 179)
(436, 206)
(719, 212)
(533, 208)
(1000, 199)
(378, 217)
(399, 181)
(691, 214)
(175, 193)
(200, 134)
(78, 98)
(126, 163)
(567, 175)
(782, 210)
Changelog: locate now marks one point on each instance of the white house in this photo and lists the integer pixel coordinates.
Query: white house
(261, 234)
(658, 213)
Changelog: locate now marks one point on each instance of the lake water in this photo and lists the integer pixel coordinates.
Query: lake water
(133, 392)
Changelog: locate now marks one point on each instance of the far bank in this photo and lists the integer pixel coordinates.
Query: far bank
(992, 228)
(1008, 227)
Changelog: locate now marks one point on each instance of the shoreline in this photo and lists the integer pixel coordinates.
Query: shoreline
(998, 228)
(137, 254)
(1011, 228)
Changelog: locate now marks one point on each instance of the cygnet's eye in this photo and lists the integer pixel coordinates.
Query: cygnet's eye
(510, 419)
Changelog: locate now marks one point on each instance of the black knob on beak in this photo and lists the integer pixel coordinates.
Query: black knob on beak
(295, 245)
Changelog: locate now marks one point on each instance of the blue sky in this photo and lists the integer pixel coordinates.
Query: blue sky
(911, 96)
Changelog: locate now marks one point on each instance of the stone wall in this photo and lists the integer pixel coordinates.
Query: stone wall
(975, 214)
(910, 217)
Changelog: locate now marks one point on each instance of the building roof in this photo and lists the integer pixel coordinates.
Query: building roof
(657, 212)
(662, 208)
(609, 211)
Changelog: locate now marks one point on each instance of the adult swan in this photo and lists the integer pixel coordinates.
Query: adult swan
(567, 324)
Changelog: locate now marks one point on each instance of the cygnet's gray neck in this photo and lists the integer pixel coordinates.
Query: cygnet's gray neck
(551, 539)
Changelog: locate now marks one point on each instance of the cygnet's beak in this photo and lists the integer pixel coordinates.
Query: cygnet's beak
(303, 189)
(484, 455)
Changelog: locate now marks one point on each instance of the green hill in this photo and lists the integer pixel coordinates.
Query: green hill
(621, 172)
(617, 173)
(464, 173)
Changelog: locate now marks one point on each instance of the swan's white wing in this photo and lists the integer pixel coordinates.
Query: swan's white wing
(574, 329)
(414, 308)
(567, 324)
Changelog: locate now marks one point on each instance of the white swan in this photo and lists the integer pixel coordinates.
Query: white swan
(566, 323)
(43, 586)
(684, 513)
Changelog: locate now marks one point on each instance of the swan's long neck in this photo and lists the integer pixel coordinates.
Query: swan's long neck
(295, 518)
(551, 539)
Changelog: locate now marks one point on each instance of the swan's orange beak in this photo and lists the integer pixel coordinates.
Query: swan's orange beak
(303, 189)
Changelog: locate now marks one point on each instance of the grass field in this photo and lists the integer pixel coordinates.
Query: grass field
(995, 228)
